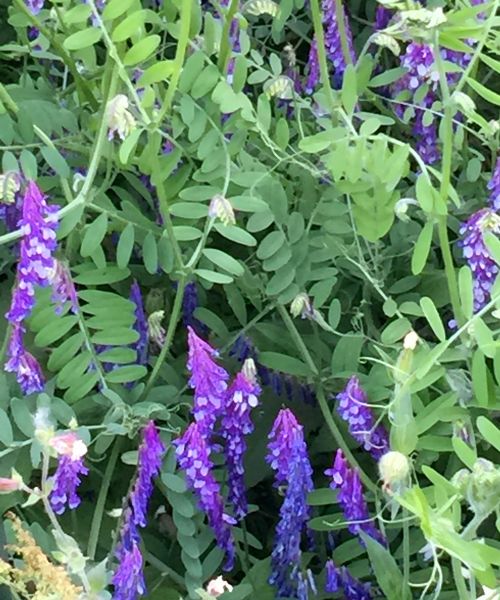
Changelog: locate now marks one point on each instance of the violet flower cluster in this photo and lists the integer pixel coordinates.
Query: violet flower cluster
(287, 456)
(193, 455)
(352, 407)
(350, 497)
(337, 579)
(70, 467)
(333, 48)
(242, 395)
(35, 268)
(281, 383)
(208, 379)
(128, 579)
(484, 268)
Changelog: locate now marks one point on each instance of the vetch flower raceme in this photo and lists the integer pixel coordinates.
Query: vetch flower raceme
(350, 497)
(27, 369)
(208, 379)
(484, 268)
(352, 407)
(70, 450)
(494, 187)
(287, 455)
(341, 578)
(193, 455)
(36, 263)
(242, 396)
(128, 579)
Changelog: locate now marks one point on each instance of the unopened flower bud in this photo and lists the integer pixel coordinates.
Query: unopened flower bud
(120, 120)
(8, 485)
(156, 331)
(386, 41)
(301, 305)
(216, 587)
(69, 444)
(402, 206)
(394, 469)
(222, 209)
(461, 481)
(411, 340)
(249, 370)
(10, 184)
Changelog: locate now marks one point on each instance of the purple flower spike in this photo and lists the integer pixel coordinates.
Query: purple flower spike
(36, 265)
(484, 268)
(353, 589)
(28, 372)
(70, 467)
(151, 452)
(352, 407)
(350, 497)
(208, 380)
(242, 396)
(193, 455)
(494, 187)
(140, 325)
(288, 458)
(35, 6)
(128, 579)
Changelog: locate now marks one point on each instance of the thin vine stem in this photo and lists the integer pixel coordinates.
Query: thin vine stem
(320, 48)
(323, 404)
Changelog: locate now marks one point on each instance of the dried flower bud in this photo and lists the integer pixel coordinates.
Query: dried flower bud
(120, 120)
(222, 209)
(411, 340)
(249, 370)
(10, 184)
(394, 469)
(156, 331)
(216, 587)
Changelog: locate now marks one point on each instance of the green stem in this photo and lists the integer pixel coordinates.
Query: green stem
(447, 133)
(406, 547)
(340, 18)
(323, 404)
(320, 45)
(463, 593)
(172, 326)
(163, 568)
(225, 47)
(101, 500)
(82, 86)
(180, 54)
(6, 98)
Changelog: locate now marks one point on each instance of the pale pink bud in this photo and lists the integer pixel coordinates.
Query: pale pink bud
(69, 444)
(8, 485)
(216, 587)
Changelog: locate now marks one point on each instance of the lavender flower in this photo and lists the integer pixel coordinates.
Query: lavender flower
(494, 187)
(333, 47)
(484, 268)
(140, 325)
(351, 498)
(99, 4)
(337, 578)
(352, 407)
(193, 455)
(36, 264)
(287, 455)
(28, 372)
(189, 305)
(151, 452)
(242, 396)
(128, 579)
(35, 6)
(208, 379)
(63, 288)
(70, 467)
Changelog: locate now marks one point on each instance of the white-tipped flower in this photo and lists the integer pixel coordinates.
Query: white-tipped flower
(216, 587)
(156, 331)
(394, 469)
(221, 208)
(411, 340)
(249, 370)
(120, 120)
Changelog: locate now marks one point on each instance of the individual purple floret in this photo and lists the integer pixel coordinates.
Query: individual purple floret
(351, 498)
(242, 396)
(333, 47)
(208, 379)
(71, 450)
(287, 455)
(193, 455)
(352, 407)
(151, 453)
(36, 264)
(484, 268)
(63, 288)
(99, 4)
(28, 372)
(341, 578)
(494, 187)
(140, 325)
(35, 6)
